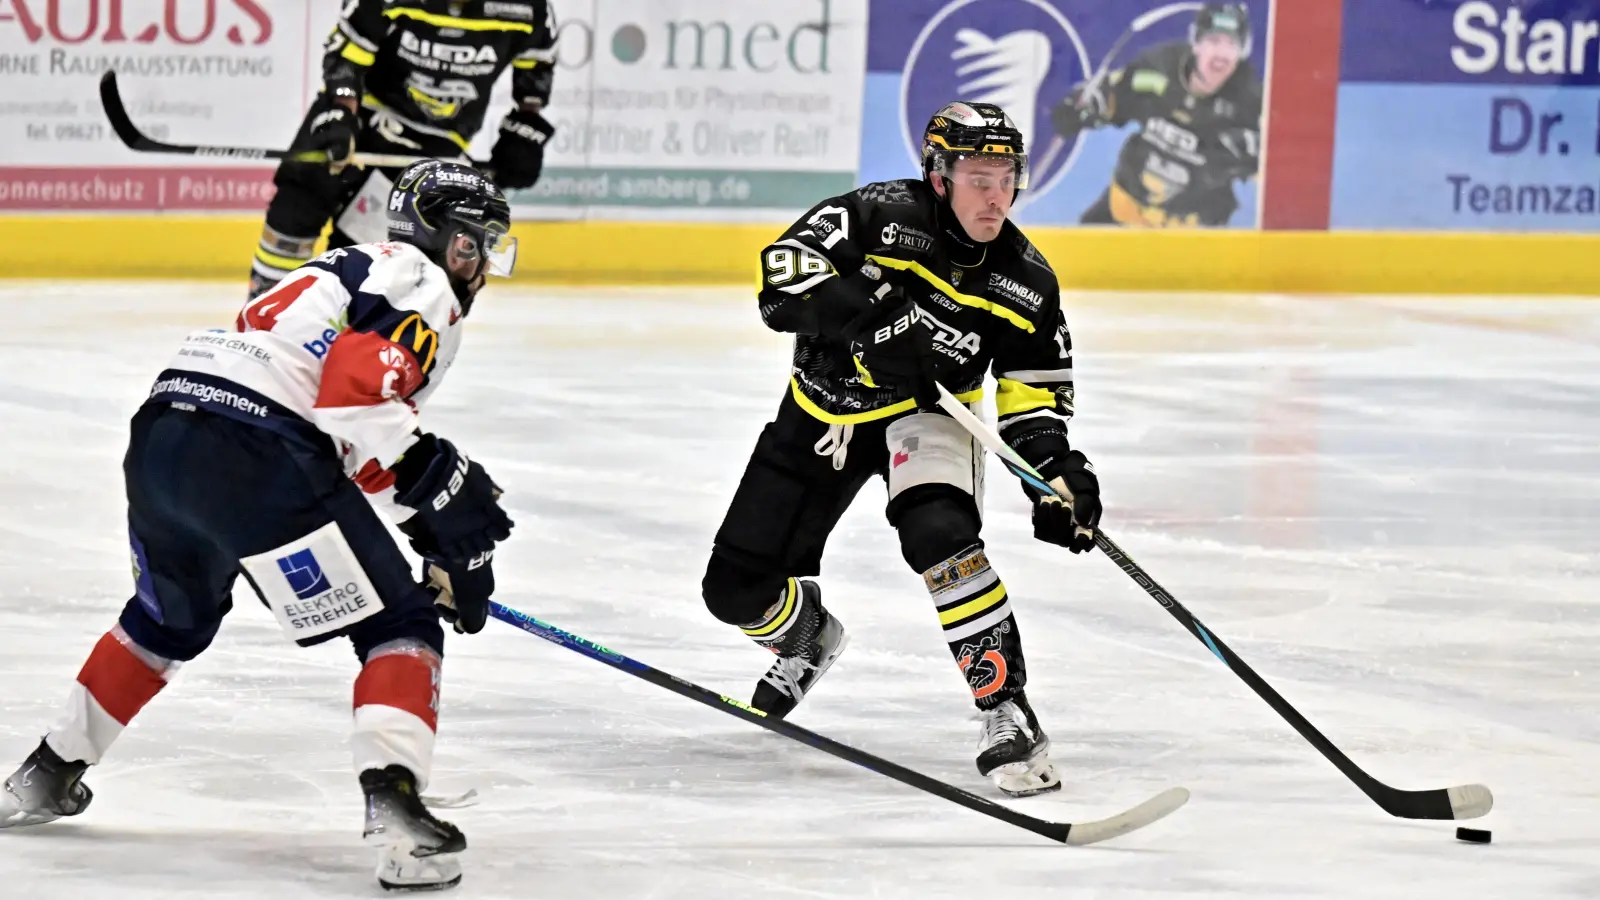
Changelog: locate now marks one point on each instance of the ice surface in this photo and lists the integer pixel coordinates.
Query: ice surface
(1389, 507)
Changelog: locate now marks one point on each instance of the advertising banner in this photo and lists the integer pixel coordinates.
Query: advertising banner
(700, 108)
(218, 71)
(1476, 115)
(1173, 140)
(664, 108)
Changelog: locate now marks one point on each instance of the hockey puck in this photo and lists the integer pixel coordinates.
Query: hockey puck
(1472, 835)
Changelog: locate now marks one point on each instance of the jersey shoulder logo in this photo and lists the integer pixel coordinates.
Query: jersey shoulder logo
(1146, 81)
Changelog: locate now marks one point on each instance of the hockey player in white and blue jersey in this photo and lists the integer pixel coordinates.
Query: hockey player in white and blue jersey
(252, 454)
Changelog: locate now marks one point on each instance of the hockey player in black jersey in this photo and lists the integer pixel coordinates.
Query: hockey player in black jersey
(1198, 105)
(413, 78)
(888, 289)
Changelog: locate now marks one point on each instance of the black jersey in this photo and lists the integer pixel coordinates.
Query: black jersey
(1179, 168)
(429, 65)
(993, 306)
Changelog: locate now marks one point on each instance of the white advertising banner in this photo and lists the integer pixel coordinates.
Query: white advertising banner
(710, 105)
(664, 108)
(214, 71)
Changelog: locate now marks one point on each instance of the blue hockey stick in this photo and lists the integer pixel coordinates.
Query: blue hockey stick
(1075, 834)
(1466, 801)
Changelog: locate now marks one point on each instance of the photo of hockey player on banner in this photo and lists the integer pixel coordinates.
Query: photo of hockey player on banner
(1148, 117)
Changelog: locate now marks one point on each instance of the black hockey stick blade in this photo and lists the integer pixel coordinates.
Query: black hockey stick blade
(1073, 833)
(1466, 801)
(136, 140)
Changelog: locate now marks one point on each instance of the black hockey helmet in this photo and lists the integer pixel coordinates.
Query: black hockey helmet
(961, 129)
(434, 203)
(1223, 18)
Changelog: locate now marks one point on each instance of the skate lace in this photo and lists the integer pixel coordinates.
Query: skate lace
(786, 673)
(999, 725)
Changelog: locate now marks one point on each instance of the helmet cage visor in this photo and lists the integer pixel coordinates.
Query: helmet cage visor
(488, 241)
(944, 164)
(500, 249)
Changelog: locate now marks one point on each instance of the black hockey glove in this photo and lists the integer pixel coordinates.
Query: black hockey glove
(454, 499)
(1083, 108)
(893, 343)
(333, 130)
(518, 155)
(1243, 146)
(1071, 523)
(461, 590)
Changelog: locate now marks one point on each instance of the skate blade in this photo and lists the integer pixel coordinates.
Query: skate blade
(398, 870)
(1026, 779)
(21, 818)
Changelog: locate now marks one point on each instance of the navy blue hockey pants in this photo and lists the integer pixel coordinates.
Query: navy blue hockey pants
(205, 491)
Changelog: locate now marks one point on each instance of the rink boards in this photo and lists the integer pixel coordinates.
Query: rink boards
(596, 252)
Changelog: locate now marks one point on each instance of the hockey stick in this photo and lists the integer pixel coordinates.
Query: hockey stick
(1093, 84)
(1467, 801)
(136, 140)
(1076, 834)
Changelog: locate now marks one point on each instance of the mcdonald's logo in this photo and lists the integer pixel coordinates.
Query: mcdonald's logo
(422, 341)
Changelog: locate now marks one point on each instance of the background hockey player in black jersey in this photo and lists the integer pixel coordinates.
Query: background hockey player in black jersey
(887, 289)
(1198, 107)
(407, 77)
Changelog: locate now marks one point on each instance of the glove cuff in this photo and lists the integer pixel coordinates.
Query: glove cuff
(528, 125)
(420, 465)
(1044, 446)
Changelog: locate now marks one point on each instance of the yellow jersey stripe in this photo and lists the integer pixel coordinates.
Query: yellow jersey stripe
(525, 64)
(288, 263)
(992, 597)
(949, 290)
(1012, 397)
(871, 415)
(357, 55)
(444, 21)
(782, 616)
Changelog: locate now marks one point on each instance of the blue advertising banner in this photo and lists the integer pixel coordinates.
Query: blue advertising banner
(1187, 148)
(1476, 115)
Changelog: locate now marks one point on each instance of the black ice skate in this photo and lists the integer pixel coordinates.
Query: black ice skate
(805, 651)
(1014, 751)
(417, 851)
(44, 789)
